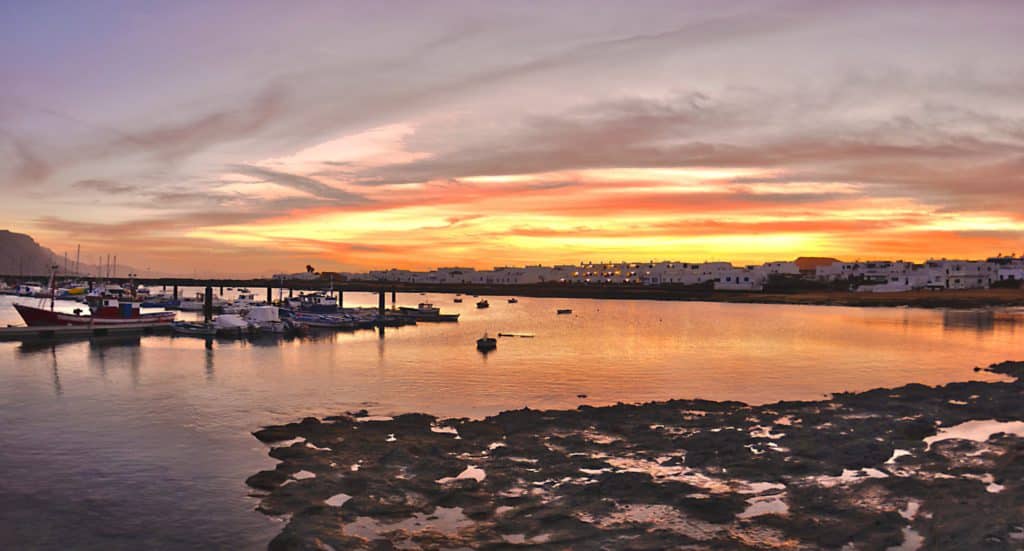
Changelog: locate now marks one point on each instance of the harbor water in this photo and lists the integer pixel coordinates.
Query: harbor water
(144, 442)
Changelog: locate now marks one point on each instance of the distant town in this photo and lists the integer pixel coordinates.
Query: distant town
(877, 276)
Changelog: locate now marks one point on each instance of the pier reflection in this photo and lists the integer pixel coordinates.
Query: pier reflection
(208, 356)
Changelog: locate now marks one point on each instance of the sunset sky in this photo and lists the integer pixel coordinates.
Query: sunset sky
(253, 137)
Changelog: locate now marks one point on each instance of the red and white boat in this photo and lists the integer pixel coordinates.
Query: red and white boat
(109, 311)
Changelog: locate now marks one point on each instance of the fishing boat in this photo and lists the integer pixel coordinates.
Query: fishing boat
(513, 300)
(483, 304)
(109, 311)
(486, 343)
(319, 303)
(458, 300)
(565, 310)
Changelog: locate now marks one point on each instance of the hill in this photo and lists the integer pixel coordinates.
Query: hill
(20, 254)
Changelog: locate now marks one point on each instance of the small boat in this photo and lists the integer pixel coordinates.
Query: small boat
(323, 321)
(565, 310)
(194, 329)
(458, 300)
(513, 300)
(424, 309)
(29, 290)
(486, 343)
(483, 304)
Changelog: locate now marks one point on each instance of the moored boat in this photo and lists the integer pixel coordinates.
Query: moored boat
(323, 321)
(29, 290)
(483, 304)
(486, 343)
(110, 312)
(319, 303)
(194, 329)
(565, 310)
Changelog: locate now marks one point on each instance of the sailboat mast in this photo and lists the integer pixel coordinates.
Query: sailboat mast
(53, 285)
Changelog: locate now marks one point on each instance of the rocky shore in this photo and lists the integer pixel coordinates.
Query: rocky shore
(905, 468)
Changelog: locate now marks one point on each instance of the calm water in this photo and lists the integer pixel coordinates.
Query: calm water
(145, 442)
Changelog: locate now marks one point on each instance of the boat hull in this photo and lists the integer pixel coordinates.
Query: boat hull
(40, 317)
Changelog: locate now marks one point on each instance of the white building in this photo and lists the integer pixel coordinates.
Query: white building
(780, 268)
(1010, 273)
(741, 279)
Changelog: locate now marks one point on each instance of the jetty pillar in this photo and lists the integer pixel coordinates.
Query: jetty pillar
(175, 292)
(221, 290)
(270, 295)
(380, 307)
(289, 292)
(394, 298)
(341, 298)
(208, 304)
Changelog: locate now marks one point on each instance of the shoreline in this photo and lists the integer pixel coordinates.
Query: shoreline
(817, 294)
(869, 468)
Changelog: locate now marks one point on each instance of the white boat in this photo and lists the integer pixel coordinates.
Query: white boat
(29, 290)
(230, 325)
(265, 319)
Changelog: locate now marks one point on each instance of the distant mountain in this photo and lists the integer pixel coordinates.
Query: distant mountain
(21, 255)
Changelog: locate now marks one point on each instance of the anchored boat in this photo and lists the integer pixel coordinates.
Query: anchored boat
(486, 343)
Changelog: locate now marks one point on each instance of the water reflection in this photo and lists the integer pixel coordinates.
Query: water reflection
(208, 356)
(982, 321)
(57, 390)
(152, 434)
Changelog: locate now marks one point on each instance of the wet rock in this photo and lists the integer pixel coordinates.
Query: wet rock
(661, 475)
(266, 480)
(274, 434)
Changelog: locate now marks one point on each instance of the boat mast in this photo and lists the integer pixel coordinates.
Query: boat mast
(53, 285)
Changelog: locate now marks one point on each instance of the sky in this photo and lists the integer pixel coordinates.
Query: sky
(247, 138)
